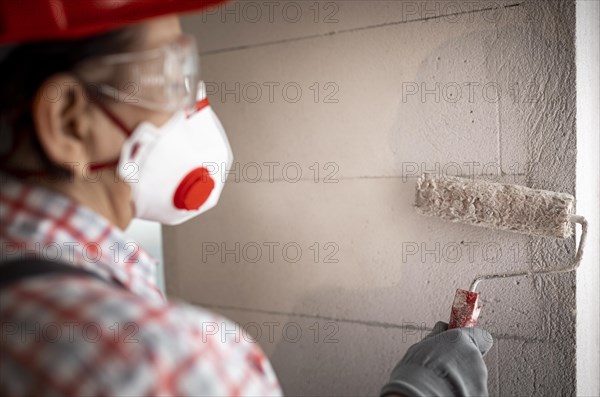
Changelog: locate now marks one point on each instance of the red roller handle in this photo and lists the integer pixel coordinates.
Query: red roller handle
(465, 309)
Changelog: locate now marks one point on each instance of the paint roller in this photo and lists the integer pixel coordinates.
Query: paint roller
(498, 206)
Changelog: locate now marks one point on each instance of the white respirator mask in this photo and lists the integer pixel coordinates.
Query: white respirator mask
(178, 170)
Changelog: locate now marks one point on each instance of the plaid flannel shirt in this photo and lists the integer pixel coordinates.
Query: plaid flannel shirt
(72, 335)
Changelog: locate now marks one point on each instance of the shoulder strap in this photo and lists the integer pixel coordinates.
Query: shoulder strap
(18, 270)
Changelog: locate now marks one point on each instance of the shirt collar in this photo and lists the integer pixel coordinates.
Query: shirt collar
(38, 222)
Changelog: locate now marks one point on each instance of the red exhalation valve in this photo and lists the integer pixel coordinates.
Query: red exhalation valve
(193, 190)
(465, 309)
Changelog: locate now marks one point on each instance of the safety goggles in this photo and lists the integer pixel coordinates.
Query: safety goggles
(164, 78)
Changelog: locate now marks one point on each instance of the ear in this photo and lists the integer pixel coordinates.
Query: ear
(62, 120)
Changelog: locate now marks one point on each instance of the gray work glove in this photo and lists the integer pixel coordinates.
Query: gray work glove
(444, 363)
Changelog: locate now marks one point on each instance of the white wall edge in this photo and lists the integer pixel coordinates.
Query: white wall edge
(588, 196)
(149, 236)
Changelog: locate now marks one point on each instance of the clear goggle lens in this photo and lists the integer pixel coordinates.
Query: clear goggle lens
(163, 79)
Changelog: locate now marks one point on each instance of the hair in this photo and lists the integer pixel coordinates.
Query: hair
(27, 66)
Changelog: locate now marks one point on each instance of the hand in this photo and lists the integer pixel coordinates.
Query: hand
(444, 363)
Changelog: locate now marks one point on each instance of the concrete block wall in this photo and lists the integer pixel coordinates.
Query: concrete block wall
(332, 110)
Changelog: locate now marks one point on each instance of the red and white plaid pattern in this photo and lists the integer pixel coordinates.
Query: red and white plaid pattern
(71, 335)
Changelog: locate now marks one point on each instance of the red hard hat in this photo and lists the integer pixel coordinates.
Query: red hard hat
(35, 20)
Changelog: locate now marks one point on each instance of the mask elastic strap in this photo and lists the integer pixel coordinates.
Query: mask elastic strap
(92, 166)
(122, 127)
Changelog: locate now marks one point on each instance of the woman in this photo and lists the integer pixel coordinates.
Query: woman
(100, 113)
